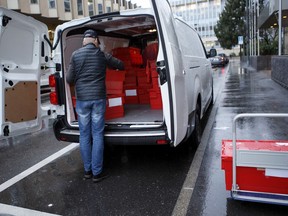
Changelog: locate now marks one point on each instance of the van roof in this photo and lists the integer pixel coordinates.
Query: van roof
(131, 26)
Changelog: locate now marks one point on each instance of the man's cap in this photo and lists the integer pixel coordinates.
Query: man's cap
(90, 33)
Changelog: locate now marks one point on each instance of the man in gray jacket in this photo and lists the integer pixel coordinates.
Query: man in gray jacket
(87, 70)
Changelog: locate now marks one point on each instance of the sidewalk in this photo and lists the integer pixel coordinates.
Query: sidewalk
(245, 90)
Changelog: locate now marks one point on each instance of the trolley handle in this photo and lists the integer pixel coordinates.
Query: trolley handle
(243, 115)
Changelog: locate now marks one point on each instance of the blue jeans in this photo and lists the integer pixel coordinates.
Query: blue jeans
(91, 119)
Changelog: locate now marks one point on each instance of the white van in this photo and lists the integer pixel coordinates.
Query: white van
(163, 107)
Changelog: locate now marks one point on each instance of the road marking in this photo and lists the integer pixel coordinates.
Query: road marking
(186, 188)
(13, 210)
(37, 166)
(185, 195)
(182, 204)
(221, 128)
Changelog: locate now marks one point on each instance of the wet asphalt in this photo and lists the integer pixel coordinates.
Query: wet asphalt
(147, 180)
(245, 91)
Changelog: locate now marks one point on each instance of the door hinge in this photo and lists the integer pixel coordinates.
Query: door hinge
(5, 20)
(6, 131)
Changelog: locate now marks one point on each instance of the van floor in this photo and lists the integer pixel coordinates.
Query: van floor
(139, 113)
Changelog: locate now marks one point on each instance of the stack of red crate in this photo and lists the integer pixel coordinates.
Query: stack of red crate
(132, 59)
(131, 56)
(115, 94)
(154, 92)
(143, 86)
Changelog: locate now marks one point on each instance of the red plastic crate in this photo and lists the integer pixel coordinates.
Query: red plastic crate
(134, 50)
(154, 73)
(251, 178)
(142, 91)
(130, 80)
(155, 84)
(151, 51)
(130, 55)
(114, 81)
(131, 100)
(155, 99)
(126, 51)
(114, 112)
(130, 70)
(136, 59)
(144, 98)
(140, 72)
(114, 107)
(131, 95)
(114, 87)
(151, 69)
(142, 80)
(143, 95)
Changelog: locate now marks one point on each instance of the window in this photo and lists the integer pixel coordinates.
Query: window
(108, 9)
(67, 5)
(100, 9)
(90, 7)
(122, 3)
(34, 1)
(80, 7)
(52, 4)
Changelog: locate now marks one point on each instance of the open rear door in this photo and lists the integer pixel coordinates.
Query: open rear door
(172, 78)
(22, 53)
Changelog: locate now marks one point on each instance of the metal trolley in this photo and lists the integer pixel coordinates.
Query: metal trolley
(252, 164)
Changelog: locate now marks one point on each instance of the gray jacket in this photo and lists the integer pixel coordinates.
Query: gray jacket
(87, 70)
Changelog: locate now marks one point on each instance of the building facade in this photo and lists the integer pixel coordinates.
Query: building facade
(55, 12)
(202, 15)
(274, 14)
(269, 18)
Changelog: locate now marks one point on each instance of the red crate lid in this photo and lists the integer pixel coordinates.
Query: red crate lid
(261, 145)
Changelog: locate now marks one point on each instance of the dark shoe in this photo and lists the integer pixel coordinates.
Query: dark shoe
(88, 174)
(99, 177)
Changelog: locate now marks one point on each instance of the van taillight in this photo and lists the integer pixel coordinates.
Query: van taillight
(52, 82)
(162, 142)
(53, 94)
(53, 98)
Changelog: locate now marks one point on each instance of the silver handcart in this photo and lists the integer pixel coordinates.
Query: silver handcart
(256, 170)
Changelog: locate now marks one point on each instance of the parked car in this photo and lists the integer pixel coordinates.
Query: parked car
(224, 57)
(220, 60)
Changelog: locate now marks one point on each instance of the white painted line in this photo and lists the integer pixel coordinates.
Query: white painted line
(13, 210)
(187, 188)
(221, 128)
(37, 166)
(182, 204)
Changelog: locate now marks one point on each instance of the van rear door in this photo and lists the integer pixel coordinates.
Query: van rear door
(172, 77)
(23, 52)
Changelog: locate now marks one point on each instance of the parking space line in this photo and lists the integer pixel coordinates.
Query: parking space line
(186, 192)
(182, 204)
(13, 210)
(37, 166)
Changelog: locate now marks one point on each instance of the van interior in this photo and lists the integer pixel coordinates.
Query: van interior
(133, 95)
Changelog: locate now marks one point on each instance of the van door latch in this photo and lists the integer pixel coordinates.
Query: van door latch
(162, 75)
(5, 20)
